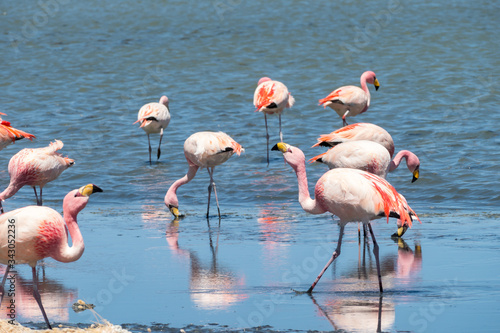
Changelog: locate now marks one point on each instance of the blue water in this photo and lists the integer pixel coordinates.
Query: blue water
(80, 71)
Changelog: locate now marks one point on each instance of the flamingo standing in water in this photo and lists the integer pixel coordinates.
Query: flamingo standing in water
(154, 118)
(368, 156)
(358, 131)
(350, 194)
(41, 232)
(9, 134)
(203, 150)
(272, 97)
(349, 101)
(35, 167)
(372, 132)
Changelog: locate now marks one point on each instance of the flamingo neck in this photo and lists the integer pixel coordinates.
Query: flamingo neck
(10, 190)
(171, 196)
(403, 154)
(367, 92)
(309, 205)
(74, 252)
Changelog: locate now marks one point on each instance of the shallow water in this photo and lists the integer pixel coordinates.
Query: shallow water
(80, 71)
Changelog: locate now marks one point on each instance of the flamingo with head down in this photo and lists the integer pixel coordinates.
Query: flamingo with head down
(41, 232)
(203, 150)
(350, 194)
(271, 97)
(349, 101)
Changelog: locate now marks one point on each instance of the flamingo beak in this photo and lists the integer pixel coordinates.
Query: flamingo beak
(376, 84)
(175, 211)
(282, 147)
(415, 175)
(89, 189)
(401, 231)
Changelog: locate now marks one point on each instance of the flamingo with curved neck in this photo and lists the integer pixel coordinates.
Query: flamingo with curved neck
(349, 101)
(350, 194)
(41, 232)
(368, 156)
(203, 150)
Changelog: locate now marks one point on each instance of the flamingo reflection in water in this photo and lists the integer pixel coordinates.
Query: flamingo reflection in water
(354, 313)
(56, 297)
(212, 286)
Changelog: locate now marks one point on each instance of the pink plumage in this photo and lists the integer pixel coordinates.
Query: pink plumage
(349, 101)
(272, 97)
(350, 194)
(369, 156)
(9, 134)
(41, 232)
(203, 150)
(35, 167)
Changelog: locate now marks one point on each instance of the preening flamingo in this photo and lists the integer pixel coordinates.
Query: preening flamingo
(358, 131)
(368, 156)
(350, 194)
(272, 97)
(35, 167)
(203, 150)
(32, 233)
(349, 101)
(9, 134)
(154, 118)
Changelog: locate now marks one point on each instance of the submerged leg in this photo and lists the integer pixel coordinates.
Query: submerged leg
(36, 197)
(281, 133)
(2, 289)
(212, 184)
(149, 144)
(38, 299)
(335, 254)
(161, 137)
(375, 252)
(267, 138)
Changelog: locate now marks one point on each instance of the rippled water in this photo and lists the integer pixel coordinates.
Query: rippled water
(80, 71)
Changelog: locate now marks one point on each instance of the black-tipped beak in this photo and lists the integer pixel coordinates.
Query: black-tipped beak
(96, 189)
(416, 174)
(275, 147)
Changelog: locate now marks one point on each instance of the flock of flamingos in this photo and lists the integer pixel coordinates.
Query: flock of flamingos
(354, 189)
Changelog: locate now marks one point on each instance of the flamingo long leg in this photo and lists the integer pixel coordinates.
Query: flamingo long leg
(281, 133)
(38, 299)
(2, 289)
(149, 144)
(38, 203)
(376, 253)
(267, 138)
(161, 137)
(210, 187)
(335, 254)
(41, 200)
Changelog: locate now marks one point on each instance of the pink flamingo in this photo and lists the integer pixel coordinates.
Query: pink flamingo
(35, 167)
(41, 232)
(154, 118)
(358, 131)
(272, 97)
(349, 101)
(9, 134)
(203, 150)
(368, 156)
(350, 194)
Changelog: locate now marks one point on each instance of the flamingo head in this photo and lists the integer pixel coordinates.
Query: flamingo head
(413, 164)
(76, 200)
(164, 100)
(173, 204)
(370, 78)
(263, 79)
(293, 155)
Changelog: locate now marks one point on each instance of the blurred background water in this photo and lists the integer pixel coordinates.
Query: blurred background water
(79, 71)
